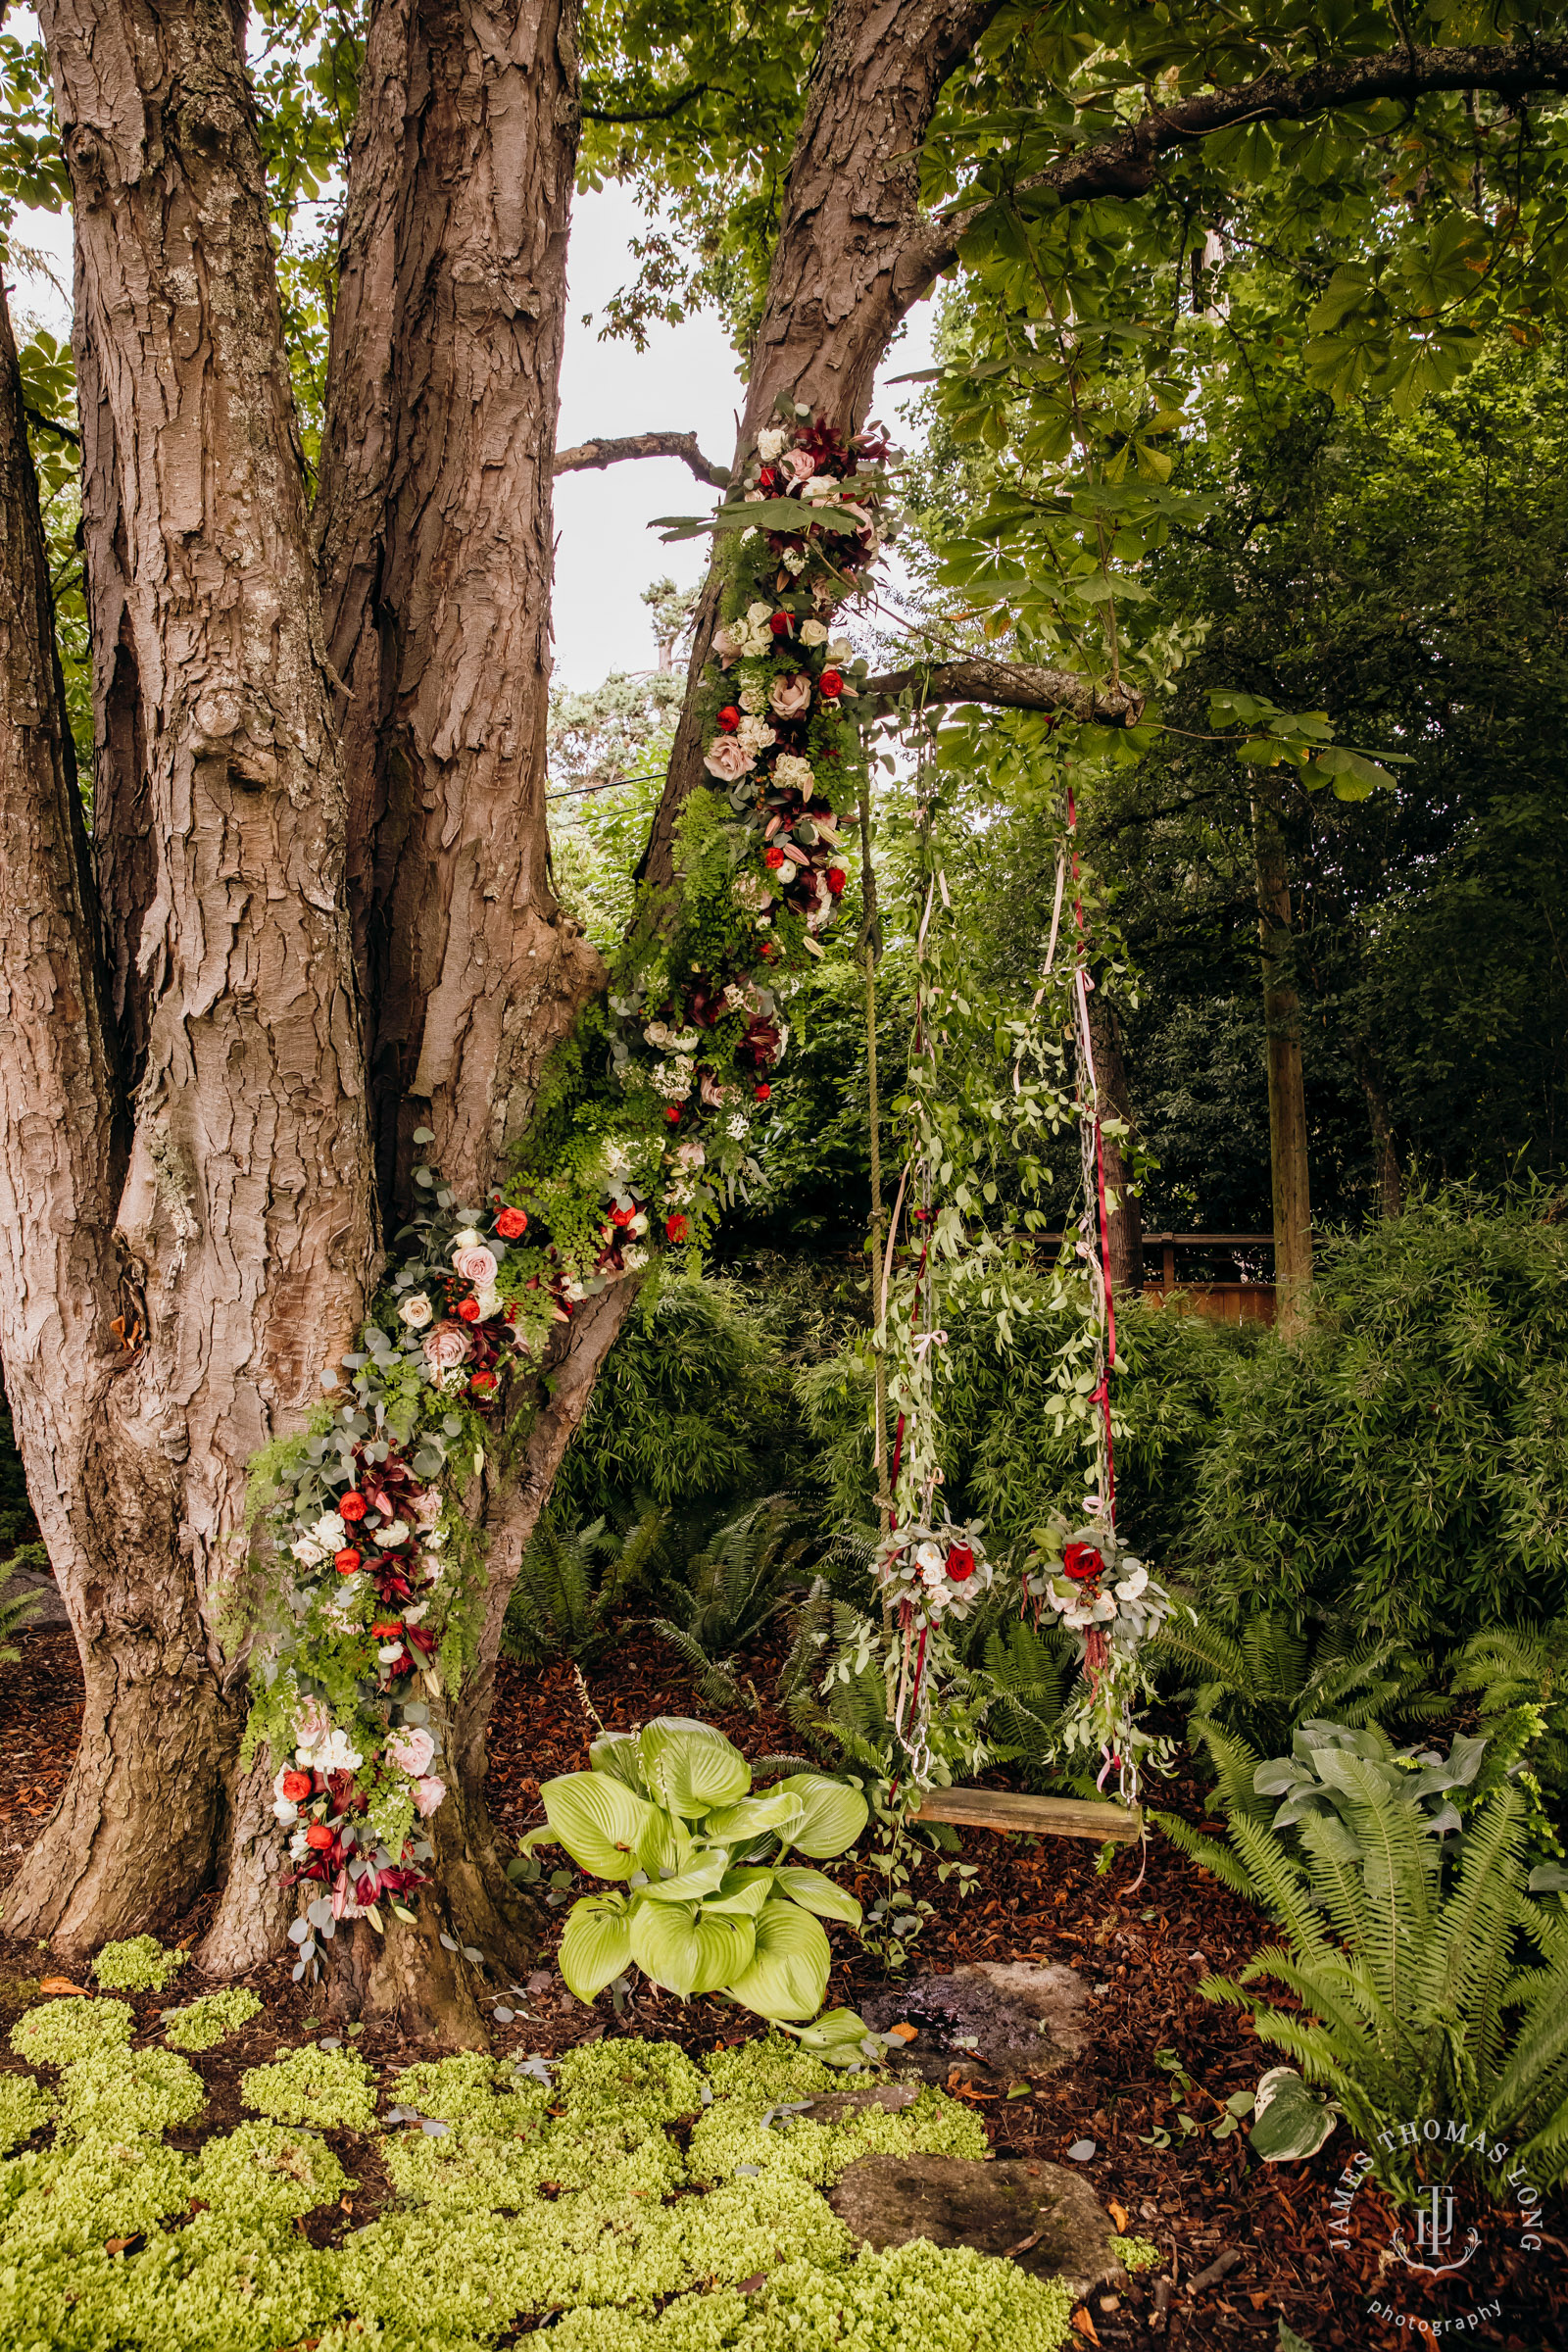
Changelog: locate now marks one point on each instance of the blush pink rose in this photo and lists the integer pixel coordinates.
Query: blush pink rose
(447, 1345)
(427, 1794)
(412, 1750)
(791, 697)
(724, 646)
(800, 463)
(727, 760)
(478, 1265)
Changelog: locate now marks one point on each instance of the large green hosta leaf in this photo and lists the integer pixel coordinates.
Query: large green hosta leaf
(596, 1947)
(619, 1755)
(788, 1974)
(688, 1954)
(742, 1891)
(835, 1815)
(690, 1767)
(701, 1877)
(599, 1822)
(780, 1811)
(816, 1892)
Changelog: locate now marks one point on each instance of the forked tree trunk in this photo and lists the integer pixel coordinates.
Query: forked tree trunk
(166, 1313)
(1287, 1093)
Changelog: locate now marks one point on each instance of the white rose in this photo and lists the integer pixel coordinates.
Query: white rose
(467, 1238)
(397, 1532)
(1131, 1586)
(759, 615)
(330, 1531)
(840, 650)
(639, 1223)
(931, 1575)
(930, 1555)
(490, 1303)
(417, 1312)
(770, 443)
(657, 1033)
(307, 1553)
(284, 1812)
(389, 1653)
(812, 633)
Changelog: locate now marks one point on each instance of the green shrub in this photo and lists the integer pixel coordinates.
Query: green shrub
(693, 1406)
(1403, 1465)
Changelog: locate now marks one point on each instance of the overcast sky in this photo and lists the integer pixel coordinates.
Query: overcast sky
(685, 382)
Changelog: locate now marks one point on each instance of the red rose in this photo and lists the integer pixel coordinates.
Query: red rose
(353, 1506)
(346, 1560)
(483, 1379)
(763, 1090)
(470, 1310)
(672, 1113)
(511, 1223)
(836, 880)
(621, 1216)
(1082, 1562)
(319, 1835)
(782, 623)
(767, 478)
(387, 1628)
(296, 1787)
(729, 718)
(961, 1563)
(773, 856)
(830, 683)
(677, 1227)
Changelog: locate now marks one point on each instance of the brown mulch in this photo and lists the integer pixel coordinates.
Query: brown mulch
(1143, 1946)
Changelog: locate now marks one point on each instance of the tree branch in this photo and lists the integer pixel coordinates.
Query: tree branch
(1009, 686)
(600, 454)
(1129, 164)
(647, 114)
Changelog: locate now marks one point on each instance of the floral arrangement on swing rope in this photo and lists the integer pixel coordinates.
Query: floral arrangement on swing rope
(641, 1137)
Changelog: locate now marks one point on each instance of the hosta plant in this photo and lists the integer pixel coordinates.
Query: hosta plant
(712, 1888)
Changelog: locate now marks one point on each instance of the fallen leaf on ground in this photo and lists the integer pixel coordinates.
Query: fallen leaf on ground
(56, 1985)
(1084, 2324)
(1117, 2213)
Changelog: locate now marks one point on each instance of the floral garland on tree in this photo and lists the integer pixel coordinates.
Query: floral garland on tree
(365, 1630)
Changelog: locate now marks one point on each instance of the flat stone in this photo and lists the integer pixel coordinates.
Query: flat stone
(1045, 2217)
(38, 1584)
(1025, 2020)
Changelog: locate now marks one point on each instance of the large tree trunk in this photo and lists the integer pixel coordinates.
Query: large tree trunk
(236, 1251)
(1287, 1093)
(435, 545)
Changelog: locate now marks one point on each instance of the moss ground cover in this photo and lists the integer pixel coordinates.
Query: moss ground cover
(643, 2202)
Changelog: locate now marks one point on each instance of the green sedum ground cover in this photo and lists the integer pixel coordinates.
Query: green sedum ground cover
(649, 2203)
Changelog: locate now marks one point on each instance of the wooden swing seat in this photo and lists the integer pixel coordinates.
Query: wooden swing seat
(1035, 1816)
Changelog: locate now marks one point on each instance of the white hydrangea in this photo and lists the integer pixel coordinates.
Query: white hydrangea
(672, 1079)
(794, 774)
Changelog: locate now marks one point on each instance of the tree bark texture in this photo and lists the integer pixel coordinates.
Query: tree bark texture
(435, 536)
(1286, 1095)
(846, 269)
(235, 1251)
(1124, 1218)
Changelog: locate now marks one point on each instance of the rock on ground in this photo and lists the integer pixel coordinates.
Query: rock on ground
(1016, 2019)
(1045, 2217)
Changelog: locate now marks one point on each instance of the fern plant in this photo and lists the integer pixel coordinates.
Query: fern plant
(733, 1591)
(18, 1611)
(570, 1585)
(1519, 1669)
(1409, 1950)
(1275, 1674)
